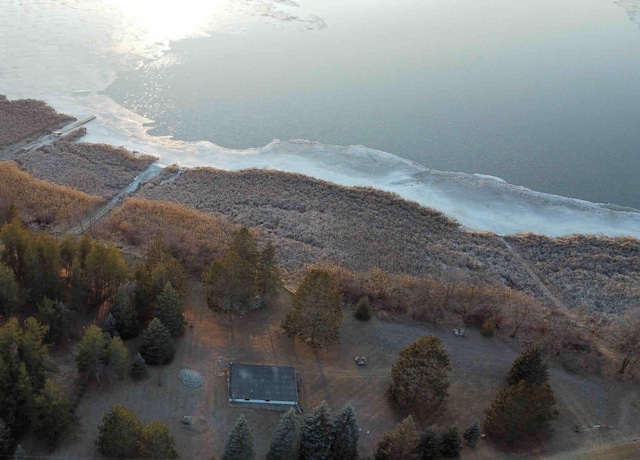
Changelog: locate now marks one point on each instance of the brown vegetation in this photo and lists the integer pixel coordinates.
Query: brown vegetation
(599, 274)
(310, 220)
(41, 203)
(25, 117)
(98, 169)
(193, 238)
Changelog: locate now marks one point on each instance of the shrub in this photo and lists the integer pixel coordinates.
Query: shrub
(488, 327)
(363, 309)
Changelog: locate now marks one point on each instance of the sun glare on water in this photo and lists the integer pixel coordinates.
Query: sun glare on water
(165, 20)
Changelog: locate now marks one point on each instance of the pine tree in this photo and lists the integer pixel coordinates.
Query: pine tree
(285, 441)
(268, 277)
(57, 316)
(345, 435)
(52, 417)
(139, 368)
(520, 411)
(8, 290)
(168, 309)
(119, 433)
(420, 379)
(92, 351)
(429, 446)
(157, 344)
(110, 325)
(239, 445)
(124, 312)
(529, 366)
(472, 434)
(20, 453)
(157, 443)
(6, 441)
(450, 443)
(117, 358)
(401, 443)
(317, 314)
(363, 309)
(317, 434)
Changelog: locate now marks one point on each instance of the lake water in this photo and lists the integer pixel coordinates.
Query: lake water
(542, 94)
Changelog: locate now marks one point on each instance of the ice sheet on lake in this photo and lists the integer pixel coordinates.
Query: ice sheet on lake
(478, 202)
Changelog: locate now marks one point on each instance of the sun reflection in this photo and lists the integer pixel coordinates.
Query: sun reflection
(164, 21)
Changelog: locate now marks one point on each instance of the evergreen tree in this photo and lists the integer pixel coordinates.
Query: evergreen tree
(117, 358)
(345, 435)
(157, 344)
(124, 312)
(139, 368)
(92, 351)
(6, 441)
(52, 417)
(169, 271)
(20, 453)
(15, 391)
(8, 290)
(316, 316)
(119, 433)
(57, 316)
(450, 443)
(529, 366)
(157, 443)
(268, 277)
(33, 352)
(110, 325)
(285, 441)
(43, 269)
(239, 445)
(420, 378)
(168, 309)
(520, 411)
(472, 434)
(104, 271)
(68, 251)
(317, 434)
(363, 309)
(401, 443)
(15, 241)
(429, 446)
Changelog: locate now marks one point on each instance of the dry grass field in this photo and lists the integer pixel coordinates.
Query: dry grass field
(40, 203)
(478, 369)
(25, 118)
(98, 169)
(596, 273)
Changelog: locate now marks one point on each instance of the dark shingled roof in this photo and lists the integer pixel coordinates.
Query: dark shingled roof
(272, 383)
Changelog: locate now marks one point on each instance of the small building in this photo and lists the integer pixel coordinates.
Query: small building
(263, 387)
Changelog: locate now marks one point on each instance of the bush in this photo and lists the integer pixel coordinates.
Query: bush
(488, 327)
(363, 309)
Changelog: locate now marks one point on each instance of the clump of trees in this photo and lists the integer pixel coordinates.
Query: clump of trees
(122, 435)
(406, 442)
(28, 398)
(524, 408)
(317, 313)
(420, 379)
(245, 278)
(99, 353)
(323, 437)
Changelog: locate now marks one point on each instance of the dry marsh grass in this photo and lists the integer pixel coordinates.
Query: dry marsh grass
(25, 117)
(98, 169)
(194, 238)
(599, 274)
(311, 220)
(41, 203)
